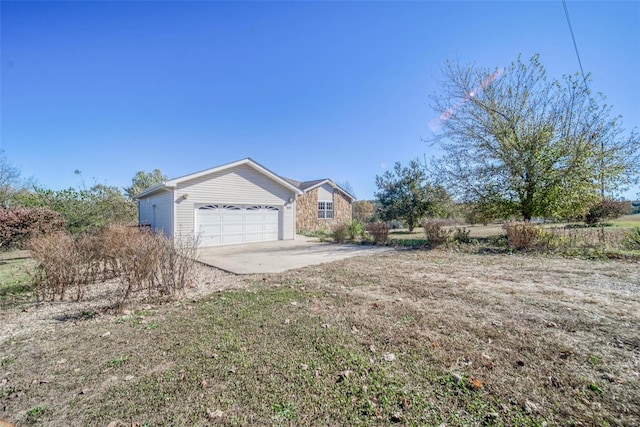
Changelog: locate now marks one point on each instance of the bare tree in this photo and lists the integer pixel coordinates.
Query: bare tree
(519, 143)
(11, 181)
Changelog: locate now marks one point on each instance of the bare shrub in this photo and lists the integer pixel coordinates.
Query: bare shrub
(435, 231)
(522, 235)
(588, 238)
(58, 266)
(132, 256)
(177, 267)
(138, 260)
(339, 233)
(379, 231)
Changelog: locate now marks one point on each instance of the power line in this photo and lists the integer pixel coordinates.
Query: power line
(575, 45)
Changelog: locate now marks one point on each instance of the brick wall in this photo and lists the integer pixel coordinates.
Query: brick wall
(307, 211)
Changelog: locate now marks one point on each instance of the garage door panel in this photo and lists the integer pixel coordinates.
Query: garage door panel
(253, 228)
(229, 224)
(231, 229)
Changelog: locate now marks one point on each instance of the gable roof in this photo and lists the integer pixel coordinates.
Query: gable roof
(307, 186)
(172, 183)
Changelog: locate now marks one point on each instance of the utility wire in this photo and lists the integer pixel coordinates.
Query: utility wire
(575, 45)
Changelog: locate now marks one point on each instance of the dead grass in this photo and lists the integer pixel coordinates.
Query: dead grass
(408, 337)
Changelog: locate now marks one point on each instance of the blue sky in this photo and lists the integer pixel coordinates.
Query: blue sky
(308, 89)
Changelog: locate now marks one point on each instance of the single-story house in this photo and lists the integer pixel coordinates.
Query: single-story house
(241, 202)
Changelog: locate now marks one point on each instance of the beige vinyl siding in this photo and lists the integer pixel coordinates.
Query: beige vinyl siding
(325, 193)
(162, 220)
(241, 185)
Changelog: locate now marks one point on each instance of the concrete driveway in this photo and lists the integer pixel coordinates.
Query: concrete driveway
(283, 255)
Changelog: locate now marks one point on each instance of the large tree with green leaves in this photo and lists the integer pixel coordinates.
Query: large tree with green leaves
(143, 180)
(405, 194)
(519, 143)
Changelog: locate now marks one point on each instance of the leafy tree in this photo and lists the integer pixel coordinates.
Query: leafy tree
(519, 143)
(11, 181)
(405, 194)
(143, 180)
(84, 209)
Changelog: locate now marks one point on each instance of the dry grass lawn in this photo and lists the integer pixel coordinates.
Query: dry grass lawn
(410, 337)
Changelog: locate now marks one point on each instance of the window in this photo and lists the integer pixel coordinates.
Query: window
(325, 210)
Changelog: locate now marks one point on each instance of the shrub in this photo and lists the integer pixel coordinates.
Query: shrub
(322, 234)
(57, 268)
(522, 235)
(137, 259)
(18, 225)
(339, 233)
(354, 229)
(379, 231)
(435, 231)
(607, 209)
(461, 235)
(633, 239)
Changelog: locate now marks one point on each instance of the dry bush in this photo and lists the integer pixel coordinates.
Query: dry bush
(132, 256)
(59, 267)
(379, 231)
(588, 238)
(138, 260)
(339, 233)
(522, 235)
(177, 267)
(18, 225)
(435, 231)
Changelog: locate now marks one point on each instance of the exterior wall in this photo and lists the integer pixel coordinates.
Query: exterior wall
(307, 209)
(325, 193)
(241, 185)
(156, 211)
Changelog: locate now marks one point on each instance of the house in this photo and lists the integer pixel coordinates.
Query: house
(241, 202)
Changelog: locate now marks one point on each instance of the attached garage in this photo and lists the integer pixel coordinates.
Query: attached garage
(241, 202)
(219, 224)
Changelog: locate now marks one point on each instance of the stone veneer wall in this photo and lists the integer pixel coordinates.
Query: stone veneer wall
(307, 211)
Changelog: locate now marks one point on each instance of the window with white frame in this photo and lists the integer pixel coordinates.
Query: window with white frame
(325, 210)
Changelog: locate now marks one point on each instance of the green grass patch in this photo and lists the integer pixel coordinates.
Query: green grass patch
(264, 358)
(15, 282)
(627, 221)
(35, 414)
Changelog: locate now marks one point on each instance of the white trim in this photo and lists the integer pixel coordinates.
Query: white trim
(247, 161)
(161, 186)
(332, 184)
(172, 183)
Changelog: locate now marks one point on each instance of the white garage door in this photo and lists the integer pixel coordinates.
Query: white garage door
(231, 224)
